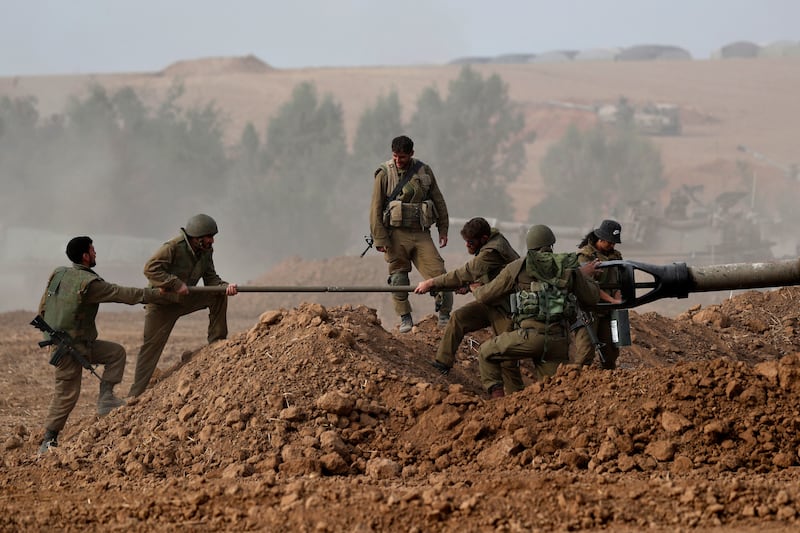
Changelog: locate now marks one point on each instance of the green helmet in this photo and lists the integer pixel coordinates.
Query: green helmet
(200, 226)
(539, 236)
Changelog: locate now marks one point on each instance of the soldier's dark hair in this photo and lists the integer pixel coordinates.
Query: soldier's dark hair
(476, 228)
(590, 238)
(402, 145)
(78, 246)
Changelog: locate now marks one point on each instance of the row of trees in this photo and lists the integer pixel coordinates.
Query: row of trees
(293, 188)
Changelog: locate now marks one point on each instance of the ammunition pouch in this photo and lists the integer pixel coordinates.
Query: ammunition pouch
(409, 215)
(393, 214)
(428, 214)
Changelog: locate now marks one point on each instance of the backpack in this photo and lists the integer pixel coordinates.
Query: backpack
(547, 299)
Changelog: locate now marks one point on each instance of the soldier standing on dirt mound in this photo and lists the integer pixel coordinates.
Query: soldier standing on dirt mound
(70, 304)
(599, 245)
(491, 251)
(406, 202)
(545, 287)
(179, 264)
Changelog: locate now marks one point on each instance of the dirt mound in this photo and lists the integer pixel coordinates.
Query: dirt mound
(249, 64)
(319, 418)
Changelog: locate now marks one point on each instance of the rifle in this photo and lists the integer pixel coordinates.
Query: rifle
(63, 343)
(585, 320)
(370, 241)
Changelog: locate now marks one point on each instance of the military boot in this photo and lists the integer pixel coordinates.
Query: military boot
(444, 318)
(50, 440)
(496, 391)
(106, 402)
(406, 323)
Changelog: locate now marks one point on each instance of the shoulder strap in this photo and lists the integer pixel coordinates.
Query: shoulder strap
(402, 183)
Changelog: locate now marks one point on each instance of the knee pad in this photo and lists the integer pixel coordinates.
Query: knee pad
(399, 279)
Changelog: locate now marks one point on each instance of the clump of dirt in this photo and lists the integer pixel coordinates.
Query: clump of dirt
(319, 418)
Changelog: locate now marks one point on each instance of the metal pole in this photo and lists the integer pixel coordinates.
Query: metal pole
(320, 288)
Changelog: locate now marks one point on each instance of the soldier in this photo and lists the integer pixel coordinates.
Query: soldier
(179, 264)
(492, 252)
(598, 245)
(70, 304)
(545, 287)
(406, 202)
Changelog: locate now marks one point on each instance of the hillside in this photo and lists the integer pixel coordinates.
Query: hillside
(723, 104)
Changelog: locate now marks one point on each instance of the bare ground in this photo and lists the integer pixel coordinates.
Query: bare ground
(323, 418)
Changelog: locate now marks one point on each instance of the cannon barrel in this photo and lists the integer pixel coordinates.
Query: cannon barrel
(678, 280)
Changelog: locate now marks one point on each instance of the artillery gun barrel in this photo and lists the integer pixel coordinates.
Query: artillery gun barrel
(677, 280)
(319, 288)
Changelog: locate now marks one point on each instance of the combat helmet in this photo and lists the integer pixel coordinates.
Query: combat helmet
(200, 226)
(539, 236)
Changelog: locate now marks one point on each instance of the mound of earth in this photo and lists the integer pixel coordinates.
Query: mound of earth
(249, 64)
(318, 418)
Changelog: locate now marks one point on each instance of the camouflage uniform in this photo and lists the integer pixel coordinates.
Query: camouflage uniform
(601, 323)
(172, 264)
(484, 267)
(70, 304)
(546, 344)
(410, 242)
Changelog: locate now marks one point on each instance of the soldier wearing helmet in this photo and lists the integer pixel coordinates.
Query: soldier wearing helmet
(599, 245)
(179, 264)
(541, 286)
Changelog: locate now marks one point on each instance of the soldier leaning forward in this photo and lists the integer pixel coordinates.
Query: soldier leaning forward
(546, 288)
(491, 252)
(70, 304)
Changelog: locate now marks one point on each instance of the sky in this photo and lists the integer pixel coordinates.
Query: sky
(40, 37)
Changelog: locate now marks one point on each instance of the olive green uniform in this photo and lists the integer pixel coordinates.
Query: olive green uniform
(546, 344)
(601, 323)
(172, 264)
(406, 232)
(70, 304)
(484, 267)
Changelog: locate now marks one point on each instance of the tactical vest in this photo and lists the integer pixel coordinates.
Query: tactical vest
(413, 207)
(64, 305)
(547, 299)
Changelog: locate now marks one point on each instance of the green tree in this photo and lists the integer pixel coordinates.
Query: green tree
(112, 151)
(377, 126)
(475, 141)
(305, 155)
(595, 173)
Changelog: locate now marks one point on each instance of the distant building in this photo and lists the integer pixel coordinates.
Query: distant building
(781, 49)
(513, 58)
(598, 54)
(653, 52)
(737, 49)
(555, 56)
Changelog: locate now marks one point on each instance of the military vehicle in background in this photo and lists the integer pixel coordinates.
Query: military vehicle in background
(648, 119)
(688, 229)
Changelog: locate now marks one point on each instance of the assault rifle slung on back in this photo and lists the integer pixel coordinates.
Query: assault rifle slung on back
(63, 343)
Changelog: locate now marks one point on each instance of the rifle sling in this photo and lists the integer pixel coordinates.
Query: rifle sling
(402, 183)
